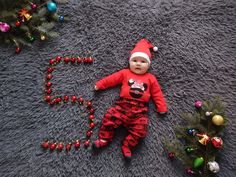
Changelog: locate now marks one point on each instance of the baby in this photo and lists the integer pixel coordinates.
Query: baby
(131, 111)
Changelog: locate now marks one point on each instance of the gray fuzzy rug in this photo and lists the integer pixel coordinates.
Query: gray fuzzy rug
(196, 60)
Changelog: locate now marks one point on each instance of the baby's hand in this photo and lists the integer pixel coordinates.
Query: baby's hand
(95, 87)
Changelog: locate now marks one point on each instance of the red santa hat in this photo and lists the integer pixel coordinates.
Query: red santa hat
(142, 49)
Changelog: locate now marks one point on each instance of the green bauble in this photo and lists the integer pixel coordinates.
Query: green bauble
(189, 150)
(198, 162)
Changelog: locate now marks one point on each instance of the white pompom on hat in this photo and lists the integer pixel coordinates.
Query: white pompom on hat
(142, 49)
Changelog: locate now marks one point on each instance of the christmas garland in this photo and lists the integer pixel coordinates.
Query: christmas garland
(57, 100)
(22, 21)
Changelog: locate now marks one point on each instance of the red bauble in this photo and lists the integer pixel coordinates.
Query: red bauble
(91, 111)
(45, 144)
(52, 102)
(18, 50)
(86, 143)
(49, 76)
(77, 144)
(68, 147)
(171, 155)
(48, 91)
(47, 98)
(58, 58)
(89, 133)
(73, 60)
(51, 61)
(66, 98)
(217, 142)
(66, 59)
(17, 23)
(89, 104)
(90, 60)
(92, 125)
(73, 98)
(49, 84)
(81, 100)
(91, 117)
(60, 146)
(53, 146)
(85, 60)
(79, 60)
(50, 69)
(58, 99)
(189, 171)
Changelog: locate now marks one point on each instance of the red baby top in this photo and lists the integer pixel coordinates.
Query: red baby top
(139, 87)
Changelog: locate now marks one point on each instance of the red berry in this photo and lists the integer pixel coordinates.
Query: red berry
(73, 99)
(89, 133)
(48, 91)
(90, 60)
(45, 144)
(58, 58)
(68, 147)
(18, 50)
(73, 59)
(50, 69)
(48, 84)
(92, 125)
(51, 61)
(47, 98)
(66, 59)
(77, 144)
(91, 117)
(53, 146)
(60, 146)
(86, 143)
(52, 102)
(79, 60)
(66, 98)
(49, 76)
(81, 100)
(89, 104)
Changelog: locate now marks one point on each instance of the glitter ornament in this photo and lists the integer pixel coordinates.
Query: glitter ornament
(217, 120)
(213, 167)
(198, 162)
(198, 104)
(51, 7)
(4, 27)
(217, 142)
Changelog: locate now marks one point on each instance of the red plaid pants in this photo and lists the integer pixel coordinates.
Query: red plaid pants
(132, 114)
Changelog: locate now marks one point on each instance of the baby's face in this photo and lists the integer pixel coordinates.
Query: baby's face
(138, 65)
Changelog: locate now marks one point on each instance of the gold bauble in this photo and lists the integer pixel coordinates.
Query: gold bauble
(217, 120)
(42, 37)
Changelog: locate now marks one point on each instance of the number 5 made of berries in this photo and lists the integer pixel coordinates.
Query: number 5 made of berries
(57, 100)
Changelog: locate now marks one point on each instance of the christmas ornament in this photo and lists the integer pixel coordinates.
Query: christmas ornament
(4, 27)
(58, 58)
(45, 144)
(77, 144)
(53, 146)
(42, 37)
(73, 60)
(60, 146)
(208, 113)
(213, 167)
(47, 98)
(18, 50)
(24, 13)
(204, 138)
(17, 23)
(198, 104)
(189, 171)
(50, 69)
(73, 99)
(171, 155)
(218, 120)
(51, 7)
(79, 60)
(217, 142)
(191, 131)
(68, 147)
(198, 162)
(61, 18)
(49, 84)
(66, 98)
(66, 59)
(49, 76)
(189, 150)
(33, 6)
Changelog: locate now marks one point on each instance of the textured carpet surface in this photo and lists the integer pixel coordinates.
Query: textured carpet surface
(196, 60)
